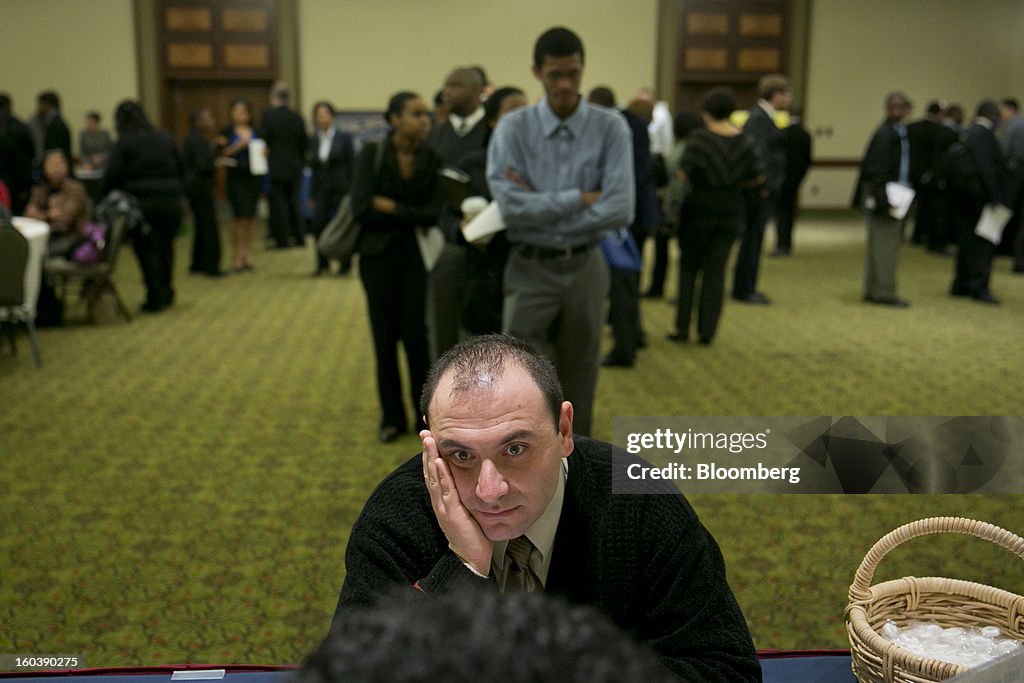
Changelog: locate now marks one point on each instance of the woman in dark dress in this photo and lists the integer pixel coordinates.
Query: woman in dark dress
(243, 187)
(719, 163)
(145, 163)
(199, 154)
(331, 158)
(390, 203)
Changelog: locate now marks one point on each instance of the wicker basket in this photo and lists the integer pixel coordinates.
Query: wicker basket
(948, 602)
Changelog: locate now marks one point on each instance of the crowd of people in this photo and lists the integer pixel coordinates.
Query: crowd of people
(581, 185)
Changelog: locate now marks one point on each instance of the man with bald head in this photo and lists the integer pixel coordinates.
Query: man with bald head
(465, 132)
(505, 498)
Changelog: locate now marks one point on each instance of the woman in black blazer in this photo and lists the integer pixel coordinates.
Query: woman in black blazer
(331, 158)
(390, 203)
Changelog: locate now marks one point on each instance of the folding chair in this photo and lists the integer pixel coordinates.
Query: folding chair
(96, 278)
(13, 261)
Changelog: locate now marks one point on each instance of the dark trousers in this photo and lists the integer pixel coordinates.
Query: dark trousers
(748, 260)
(785, 216)
(662, 237)
(624, 313)
(931, 219)
(155, 251)
(206, 236)
(704, 247)
(396, 285)
(284, 225)
(974, 255)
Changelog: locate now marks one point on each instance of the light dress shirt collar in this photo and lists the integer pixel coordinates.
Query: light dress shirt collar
(462, 125)
(323, 151)
(541, 534)
(551, 124)
(768, 109)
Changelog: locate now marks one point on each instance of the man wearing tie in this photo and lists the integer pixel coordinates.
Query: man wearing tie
(887, 160)
(506, 498)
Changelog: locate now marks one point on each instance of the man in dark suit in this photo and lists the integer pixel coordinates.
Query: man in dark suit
(796, 144)
(974, 257)
(56, 134)
(773, 94)
(16, 154)
(506, 499)
(285, 134)
(887, 160)
(464, 132)
(929, 140)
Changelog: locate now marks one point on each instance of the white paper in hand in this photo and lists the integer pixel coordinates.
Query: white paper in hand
(258, 157)
(900, 198)
(994, 218)
(431, 244)
(486, 224)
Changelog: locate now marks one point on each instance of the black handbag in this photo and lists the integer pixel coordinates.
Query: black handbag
(341, 234)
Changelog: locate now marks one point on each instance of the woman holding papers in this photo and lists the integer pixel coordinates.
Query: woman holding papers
(395, 191)
(243, 187)
(719, 163)
(145, 163)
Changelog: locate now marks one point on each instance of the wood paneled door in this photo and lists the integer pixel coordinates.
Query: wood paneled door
(212, 51)
(729, 42)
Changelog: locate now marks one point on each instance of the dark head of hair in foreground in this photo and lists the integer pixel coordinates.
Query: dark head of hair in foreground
(557, 42)
(482, 359)
(473, 636)
(719, 103)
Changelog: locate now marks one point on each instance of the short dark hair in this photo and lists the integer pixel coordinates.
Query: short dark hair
(493, 354)
(771, 84)
(479, 71)
(556, 42)
(602, 95)
(989, 109)
(130, 116)
(934, 107)
(326, 105)
(685, 122)
(719, 103)
(245, 103)
(475, 635)
(49, 98)
(94, 115)
(493, 104)
(1011, 103)
(5, 101)
(895, 95)
(396, 104)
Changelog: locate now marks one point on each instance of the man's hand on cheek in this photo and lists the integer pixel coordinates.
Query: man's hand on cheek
(465, 537)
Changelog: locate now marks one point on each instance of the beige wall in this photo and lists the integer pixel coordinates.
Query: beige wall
(861, 50)
(358, 53)
(85, 50)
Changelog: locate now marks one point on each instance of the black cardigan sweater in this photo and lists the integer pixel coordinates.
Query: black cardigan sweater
(644, 560)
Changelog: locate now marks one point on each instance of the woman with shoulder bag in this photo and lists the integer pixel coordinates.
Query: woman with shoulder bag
(390, 204)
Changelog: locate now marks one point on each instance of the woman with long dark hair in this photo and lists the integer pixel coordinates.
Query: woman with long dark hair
(144, 162)
(331, 158)
(395, 191)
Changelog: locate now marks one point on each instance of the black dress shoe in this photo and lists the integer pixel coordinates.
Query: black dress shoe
(651, 294)
(151, 307)
(985, 298)
(678, 337)
(615, 362)
(753, 298)
(705, 341)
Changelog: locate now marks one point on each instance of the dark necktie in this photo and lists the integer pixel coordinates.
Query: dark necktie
(521, 578)
(462, 128)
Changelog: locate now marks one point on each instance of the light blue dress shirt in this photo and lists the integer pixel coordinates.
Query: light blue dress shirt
(559, 159)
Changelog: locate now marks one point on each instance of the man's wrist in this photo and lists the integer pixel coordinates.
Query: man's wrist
(478, 567)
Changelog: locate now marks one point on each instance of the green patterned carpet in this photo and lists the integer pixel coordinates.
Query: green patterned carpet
(180, 489)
